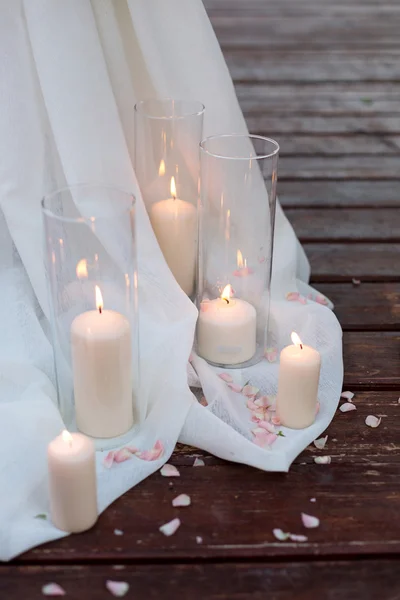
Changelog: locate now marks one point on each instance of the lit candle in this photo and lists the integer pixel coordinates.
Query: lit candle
(101, 361)
(226, 330)
(174, 222)
(72, 482)
(299, 369)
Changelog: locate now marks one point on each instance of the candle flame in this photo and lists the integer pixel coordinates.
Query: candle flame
(161, 170)
(227, 293)
(81, 269)
(67, 437)
(296, 340)
(239, 257)
(99, 299)
(173, 187)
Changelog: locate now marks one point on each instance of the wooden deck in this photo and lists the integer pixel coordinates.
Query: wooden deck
(323, 78)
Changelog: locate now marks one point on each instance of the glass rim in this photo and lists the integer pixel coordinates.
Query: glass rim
(139, 108)
(49, 212)
(249, 136)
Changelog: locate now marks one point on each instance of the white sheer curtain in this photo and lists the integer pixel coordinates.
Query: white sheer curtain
(70, 73)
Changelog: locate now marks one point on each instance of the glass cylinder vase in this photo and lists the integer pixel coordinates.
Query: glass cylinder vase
(167, 165)
(92, 282)
(237, 216)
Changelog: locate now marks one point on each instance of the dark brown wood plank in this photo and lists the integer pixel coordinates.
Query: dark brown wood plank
(369, 306)
(371, 359)
(345, 224)
(379, 194)
(356, 495)
(366, 579)
(341, 262)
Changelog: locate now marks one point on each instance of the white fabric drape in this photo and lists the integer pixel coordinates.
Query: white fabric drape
(70, 73)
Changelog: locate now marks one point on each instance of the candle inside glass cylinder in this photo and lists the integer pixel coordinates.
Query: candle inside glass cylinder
(299, 371)
(226, 330)
(72, 482)
(174, 223)
(101, 360)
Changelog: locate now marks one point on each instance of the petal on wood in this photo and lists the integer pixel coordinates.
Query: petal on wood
(373, 421)
(198, 462)
(347, 407)
(109, 459)
(313, 499)
(117, 588)
(298, 538)
(355, 281)
(118, 532)
(53, 589)
(122, 455)
(171, 527)
(322, 460)
(347, 395)
(199, 539)
(280, 535)
(225, 377)
(181, 500)
(169, 471)
(320, 443)
(309, 521)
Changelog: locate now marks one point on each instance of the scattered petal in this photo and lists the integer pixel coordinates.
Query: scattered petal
(42, 516)
(154, 454)
(347, 395)
(235, 387)
(292, 296)
(302, 299)
(267, 426)
(260, 415)
(309, 521)
(109, 459)
(117, 588)
(276, 421)
(169, 471)
(271, 354)
(320, 299)
(251, 405)
(250, 391)
(317, 408)
(53, 589)
(122, 455)
(255, 418)
(199, 539)
(313, 499)
(320, 443)
(170, 527)
(225, 377)
(203, 401)
(372, 421)
(298, 538)
(198, 462)
(355, 281)
(322, 460)
(280, 535)
(261, 259)
(347, 407)
(262, 401)
(181, 500)
(118, 532)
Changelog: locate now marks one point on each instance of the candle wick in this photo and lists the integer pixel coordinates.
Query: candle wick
(100, 309)
(226, 300)
(301, 346)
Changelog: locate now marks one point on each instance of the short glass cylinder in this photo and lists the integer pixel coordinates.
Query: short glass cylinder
(237, 216)
(92, 282)
(167, 165)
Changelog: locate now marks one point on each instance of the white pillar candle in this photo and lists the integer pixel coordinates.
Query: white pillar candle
(174, 222)
(72, 482)
(299, 370)
(226, 330)
(101, 361)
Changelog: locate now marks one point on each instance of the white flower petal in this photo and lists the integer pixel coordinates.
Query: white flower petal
(53, 589)
(198, 462)
(372, 421)
(117, 588)
(169, 471)
(320, 443)
(309, 521)
(347, 407)
(181, 500)
(347, 395)
(170, 527)
(322, 460)
(280, 535)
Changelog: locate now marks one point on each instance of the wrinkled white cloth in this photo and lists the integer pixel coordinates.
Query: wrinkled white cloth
(70, 74)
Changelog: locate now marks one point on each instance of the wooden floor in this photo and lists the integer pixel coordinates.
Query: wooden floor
(323, 78)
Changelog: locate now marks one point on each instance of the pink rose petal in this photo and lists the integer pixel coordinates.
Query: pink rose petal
(280, 535)
(271, 354)
(347, 407)
(292, 296)
(271, 438)
(154, 454)
(169, 471)
(347, 395)
(225, 377)
(170, 527)
(255, 419)
(198, 462)
(251, 405)
(109, 459)
(309, 521)
(372, 421)
(276, 421)
(317, 408)
(53, 589)
(320, 299)
(181, 500)
(122, 455)
(302, 299)
(298, 538)
(250, 391)
(117, 588)
(320, 443)
(322, 460)
(267, 426)
(262, 401)
(203, 401)
(235, 387)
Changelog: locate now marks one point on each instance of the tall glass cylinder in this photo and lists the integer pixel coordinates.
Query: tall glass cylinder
(92, 277)
(237, 216)
(167, 164)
